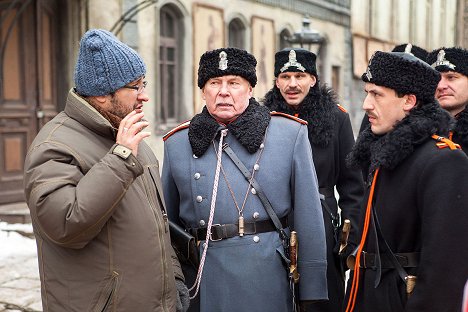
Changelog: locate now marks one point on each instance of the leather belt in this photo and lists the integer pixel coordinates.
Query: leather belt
(224, 231)
(327, 191)
(407, 260)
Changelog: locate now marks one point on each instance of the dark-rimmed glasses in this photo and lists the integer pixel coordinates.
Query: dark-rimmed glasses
(138, 88)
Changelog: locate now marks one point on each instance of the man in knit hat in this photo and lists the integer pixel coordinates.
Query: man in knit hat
(452, 90)
(415, 209)
(230, 211)
(297, 92)
(93, 189)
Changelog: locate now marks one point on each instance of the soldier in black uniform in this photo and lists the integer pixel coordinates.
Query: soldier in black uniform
(410, 256)
(452, 90)
(297, 92)
(420, 53)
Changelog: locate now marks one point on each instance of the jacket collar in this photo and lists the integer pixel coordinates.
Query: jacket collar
(80, 110)
(387, 151)
(317, 109)
(249, 128)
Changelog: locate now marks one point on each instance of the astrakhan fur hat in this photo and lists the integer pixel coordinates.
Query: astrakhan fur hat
(227, 61)
(404, 73)
(295, 60)
(449, 59)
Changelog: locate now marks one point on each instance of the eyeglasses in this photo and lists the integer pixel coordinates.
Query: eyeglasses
(138, 88)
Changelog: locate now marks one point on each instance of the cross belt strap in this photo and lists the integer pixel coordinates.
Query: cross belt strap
(405, 259)
(224, 231)
(266, 203)
(327, 191)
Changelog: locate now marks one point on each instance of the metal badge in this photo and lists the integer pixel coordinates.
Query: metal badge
(292, 62)
(442, 61)
(222, 60)
(408, 48)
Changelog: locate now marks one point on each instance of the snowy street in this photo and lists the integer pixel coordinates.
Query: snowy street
(19, 273)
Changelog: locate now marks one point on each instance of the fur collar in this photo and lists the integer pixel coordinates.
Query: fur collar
(461, 127)
(387, 151)
(249, 128)
(317, 109)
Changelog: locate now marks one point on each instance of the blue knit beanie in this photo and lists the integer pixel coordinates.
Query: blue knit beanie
(105, 64)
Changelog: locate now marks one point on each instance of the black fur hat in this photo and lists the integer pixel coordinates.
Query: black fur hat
(404, 73)
(420, 53)
(449, 59)
(295, 60)
(227, 61)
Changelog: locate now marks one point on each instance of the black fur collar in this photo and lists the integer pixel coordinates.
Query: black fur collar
(387, 151)
(461, 127)
(249, 128)
(317, 109)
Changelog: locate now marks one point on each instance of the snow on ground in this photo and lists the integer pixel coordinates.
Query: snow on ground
(12, 243)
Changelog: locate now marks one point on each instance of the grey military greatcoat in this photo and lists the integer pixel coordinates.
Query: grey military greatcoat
(247, 273)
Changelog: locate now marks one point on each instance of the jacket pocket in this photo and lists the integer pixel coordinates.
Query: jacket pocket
(104, 298)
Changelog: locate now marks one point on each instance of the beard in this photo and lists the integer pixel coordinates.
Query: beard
(117, 112)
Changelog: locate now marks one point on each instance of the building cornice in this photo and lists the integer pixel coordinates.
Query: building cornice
(335, 11)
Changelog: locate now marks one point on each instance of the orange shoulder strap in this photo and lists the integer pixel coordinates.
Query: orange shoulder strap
(295, 118)
(182, 126)
(342, 108)
(443, 142)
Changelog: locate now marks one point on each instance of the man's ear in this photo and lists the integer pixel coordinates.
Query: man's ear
(410, 102)
(314, 81)
(101, 99)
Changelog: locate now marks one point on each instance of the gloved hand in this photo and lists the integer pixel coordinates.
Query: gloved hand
(183, 297)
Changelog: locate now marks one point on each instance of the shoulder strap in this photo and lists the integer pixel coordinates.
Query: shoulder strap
(401, 271)
(182, 126)
(295, 118)
(266, 203)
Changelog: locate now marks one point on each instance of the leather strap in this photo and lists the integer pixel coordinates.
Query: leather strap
(266, 203)
(391, 255)
(224, 231)
(406, 260)
(327, 191)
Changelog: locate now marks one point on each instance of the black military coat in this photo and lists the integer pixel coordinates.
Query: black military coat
(331, 138)
(420, 205)
(460, 131)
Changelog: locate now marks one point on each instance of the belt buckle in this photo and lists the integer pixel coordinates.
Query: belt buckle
(211, 237)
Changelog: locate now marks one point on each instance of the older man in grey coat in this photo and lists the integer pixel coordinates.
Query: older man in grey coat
(243, 260)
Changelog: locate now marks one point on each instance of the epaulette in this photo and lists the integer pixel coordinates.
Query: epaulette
(342, 108)
(182, 126)
(443, 142)
(302, 121)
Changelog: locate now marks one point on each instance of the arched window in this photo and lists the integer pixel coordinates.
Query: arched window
(237, 34)
(169, 60)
